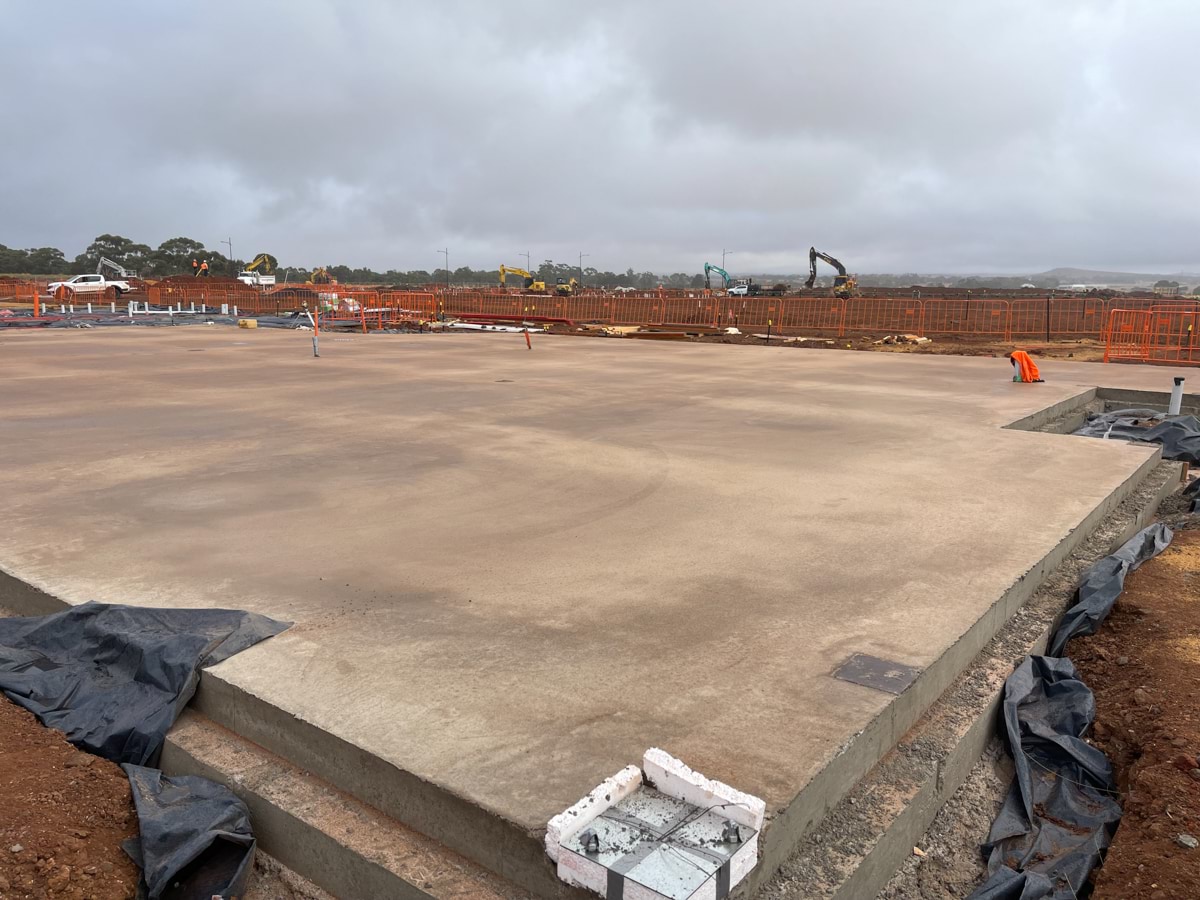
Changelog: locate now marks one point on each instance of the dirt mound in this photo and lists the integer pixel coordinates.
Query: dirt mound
(192, 279)
(65, 814)
(1144, 668)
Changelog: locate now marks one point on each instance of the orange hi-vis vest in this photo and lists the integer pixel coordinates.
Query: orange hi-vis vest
(1026, 367)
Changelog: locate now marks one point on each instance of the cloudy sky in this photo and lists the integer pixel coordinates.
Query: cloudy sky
(923, 135)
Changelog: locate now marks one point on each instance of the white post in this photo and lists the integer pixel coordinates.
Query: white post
(132, 305)
(89, 309)
(224, 309)
(62, 309)
(203, 308)
(193, 306)
(72, 308)
(235, 312)
(1176, 398)
(112, 308)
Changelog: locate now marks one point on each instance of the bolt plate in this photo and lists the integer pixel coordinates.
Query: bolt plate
(881, 674)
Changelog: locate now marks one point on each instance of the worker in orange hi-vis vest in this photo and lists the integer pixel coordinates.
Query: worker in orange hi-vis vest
(204, 269)
(195, 267)
(1024, 368)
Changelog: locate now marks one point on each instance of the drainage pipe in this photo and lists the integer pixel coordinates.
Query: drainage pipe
(1176, 397)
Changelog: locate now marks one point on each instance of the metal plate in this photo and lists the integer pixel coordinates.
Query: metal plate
(881, 674)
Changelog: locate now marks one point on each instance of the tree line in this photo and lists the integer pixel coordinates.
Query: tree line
(174, 257)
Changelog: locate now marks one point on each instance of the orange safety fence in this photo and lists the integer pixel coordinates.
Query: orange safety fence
(1166, 333)
(874, 314)
(20, 291)
(979, 318)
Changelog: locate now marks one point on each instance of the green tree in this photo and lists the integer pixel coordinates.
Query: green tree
(120, 250)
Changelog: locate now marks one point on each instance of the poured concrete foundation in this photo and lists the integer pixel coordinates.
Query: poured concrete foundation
(513, 571)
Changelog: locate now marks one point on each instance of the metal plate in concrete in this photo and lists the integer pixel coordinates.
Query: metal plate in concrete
(881, 674)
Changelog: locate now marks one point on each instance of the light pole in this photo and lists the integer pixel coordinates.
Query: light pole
(723, 252)
(230, 243)
(446, 253)
(581, 256)
(528, 261)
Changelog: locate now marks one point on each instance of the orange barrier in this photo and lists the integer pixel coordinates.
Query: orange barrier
(872, 314)
(980, 318)
(1166, 333)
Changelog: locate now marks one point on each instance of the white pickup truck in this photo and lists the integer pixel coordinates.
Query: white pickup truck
(254, 279)
(88, 284)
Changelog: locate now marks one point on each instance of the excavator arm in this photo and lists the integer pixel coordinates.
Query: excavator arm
(843, 284)
(263, 261)
(709, 267)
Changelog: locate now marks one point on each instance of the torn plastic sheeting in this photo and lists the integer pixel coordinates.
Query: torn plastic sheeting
(1179, 435)
(1103, 583)
(114, 678)
(1060, 812)
(194, 837)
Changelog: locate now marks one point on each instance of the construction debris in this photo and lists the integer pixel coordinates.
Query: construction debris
(903, 339)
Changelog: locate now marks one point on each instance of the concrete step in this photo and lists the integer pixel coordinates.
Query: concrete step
(854, 850)
(338, 843)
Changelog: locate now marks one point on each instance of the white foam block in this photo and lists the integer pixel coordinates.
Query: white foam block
(608, 793)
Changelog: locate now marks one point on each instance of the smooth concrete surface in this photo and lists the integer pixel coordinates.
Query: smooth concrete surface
(513, 571)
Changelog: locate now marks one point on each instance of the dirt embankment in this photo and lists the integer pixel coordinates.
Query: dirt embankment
(65, 814)
(1144, 668)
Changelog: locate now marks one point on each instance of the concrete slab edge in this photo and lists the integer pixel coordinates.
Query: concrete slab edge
(788, 828)
(333, 840)
(465, 827)
(957, 729)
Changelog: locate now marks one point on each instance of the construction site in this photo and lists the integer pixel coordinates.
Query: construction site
(686, 612)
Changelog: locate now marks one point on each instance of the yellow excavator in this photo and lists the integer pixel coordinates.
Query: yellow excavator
(843, 284)
(566, 288)
(320, 275)
(531, 285)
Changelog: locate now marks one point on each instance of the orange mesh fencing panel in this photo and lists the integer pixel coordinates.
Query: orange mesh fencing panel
(873, 314)
(749, 312)
(1128, 335)
(812, 314)
(1173, 335)
(982, 318)
(688, 310)
(1057, 317)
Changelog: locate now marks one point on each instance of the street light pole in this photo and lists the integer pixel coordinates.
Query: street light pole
(581, 256)
(528, 261)
(446, 253)
(723, 252)
(230, 243)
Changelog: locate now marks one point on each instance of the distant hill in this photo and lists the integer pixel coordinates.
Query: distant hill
(1067, 275)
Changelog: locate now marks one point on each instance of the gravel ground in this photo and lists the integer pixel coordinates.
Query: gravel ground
(952, 864)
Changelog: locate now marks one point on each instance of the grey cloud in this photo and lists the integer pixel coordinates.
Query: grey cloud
(1000, 135)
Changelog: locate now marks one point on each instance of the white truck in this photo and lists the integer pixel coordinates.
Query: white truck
(88, 284)
(255, 279)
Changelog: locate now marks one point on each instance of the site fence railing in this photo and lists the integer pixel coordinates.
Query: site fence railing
(1152, 328)
(1164, 334)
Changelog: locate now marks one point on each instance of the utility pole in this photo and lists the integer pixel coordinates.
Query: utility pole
(230, 243)
(723, 252)
(446, 253)
(581, 256)
(528, 262)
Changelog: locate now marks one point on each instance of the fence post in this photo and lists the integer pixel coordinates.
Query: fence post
(1047, 318)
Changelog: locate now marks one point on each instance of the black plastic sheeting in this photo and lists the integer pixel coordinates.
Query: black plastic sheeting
(114, 678)
(195, 838)
(1179, 435)
(1061, 811)
(1103, 583)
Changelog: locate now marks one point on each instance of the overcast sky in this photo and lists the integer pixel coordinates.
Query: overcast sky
(899, 135)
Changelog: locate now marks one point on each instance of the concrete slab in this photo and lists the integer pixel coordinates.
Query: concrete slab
(514, 571)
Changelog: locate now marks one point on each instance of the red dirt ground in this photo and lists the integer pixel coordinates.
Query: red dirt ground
(64, 816)
(1144, 668)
